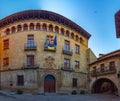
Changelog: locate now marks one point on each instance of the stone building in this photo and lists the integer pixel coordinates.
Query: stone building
(105, 74)
(43, 51)
(117, 23)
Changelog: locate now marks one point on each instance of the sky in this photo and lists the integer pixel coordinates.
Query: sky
(95, 16)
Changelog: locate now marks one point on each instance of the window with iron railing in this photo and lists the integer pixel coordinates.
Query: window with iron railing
(30, 60)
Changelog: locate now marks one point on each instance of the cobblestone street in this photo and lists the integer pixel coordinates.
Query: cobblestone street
(58, 97)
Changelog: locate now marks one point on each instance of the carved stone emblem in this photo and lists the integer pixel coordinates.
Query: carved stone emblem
(49, 62)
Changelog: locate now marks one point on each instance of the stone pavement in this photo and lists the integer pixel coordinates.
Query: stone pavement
(11, 96)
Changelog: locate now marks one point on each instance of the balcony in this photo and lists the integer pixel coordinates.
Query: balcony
(49, 48)
(103, 72)
(30, 66)
(30, 47)
(64, 68)
(68, 52)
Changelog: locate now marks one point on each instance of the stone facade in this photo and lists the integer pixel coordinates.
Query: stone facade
(46, 61)
(107, 69)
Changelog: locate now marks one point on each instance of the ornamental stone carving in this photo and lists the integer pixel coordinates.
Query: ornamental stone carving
(49, 62)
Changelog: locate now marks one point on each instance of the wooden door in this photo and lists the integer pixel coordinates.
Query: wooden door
(49, 84)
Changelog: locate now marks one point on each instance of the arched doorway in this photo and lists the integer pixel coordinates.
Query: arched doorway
(104, 86)
(49, 84)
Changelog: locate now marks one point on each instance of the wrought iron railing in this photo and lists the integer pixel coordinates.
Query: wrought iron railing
(30, 66)
(67, 51)
(67, 68)
(30, 46)
(103, 71)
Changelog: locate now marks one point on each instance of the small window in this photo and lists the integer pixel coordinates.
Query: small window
(56, 29)
(31, 26)
(20, 80)
(5, 61)
(44, 27)
(77, 49)
(72, 35)
(81, 40)
(13, 29)
(6, 44)
(67, 63)
(51, 28)
(112, 65)
(38, 26)
(102, 67)
(77, 38)
(67, 33)
(30, 60)
(77, 64)
(25, 27)
(7, 31)
(62, 31)
(74, 84)
(19, 28)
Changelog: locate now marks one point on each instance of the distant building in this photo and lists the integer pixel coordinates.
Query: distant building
(117, 23)
(43, 51)
(105, 74)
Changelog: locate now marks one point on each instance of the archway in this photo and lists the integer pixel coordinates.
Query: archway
(49, 84)
(104, 86)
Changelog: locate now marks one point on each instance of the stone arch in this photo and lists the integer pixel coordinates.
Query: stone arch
(25, 27)
(56, 29)
(44, 27)
(62, 31)
(38, 26)
(72, 35)
(19, 28)
(31, 26)
(50, 27)
(7, 31)
(104, 85)
(67, 33)
(13, 29)
(77, 37)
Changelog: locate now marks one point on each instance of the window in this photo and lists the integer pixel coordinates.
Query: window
(19, 28)
(112, 65)
(5, 61)
(67, 45)
(25, 27)
(102, 67)
(20, 80)
(62, 31)
(74, 84)
(7, 31)
(67, 63)
(51, 28)
(77, 38)
(56, 29)
(38, 26)
(6, 44)
(44, 27)
(67, 33)
(13, 29)
(30, 42)
(77, 64)
(31, 26)
(77, 49)
(72, 35)
(30, 60)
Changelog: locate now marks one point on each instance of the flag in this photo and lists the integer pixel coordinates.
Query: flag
(55, 40)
